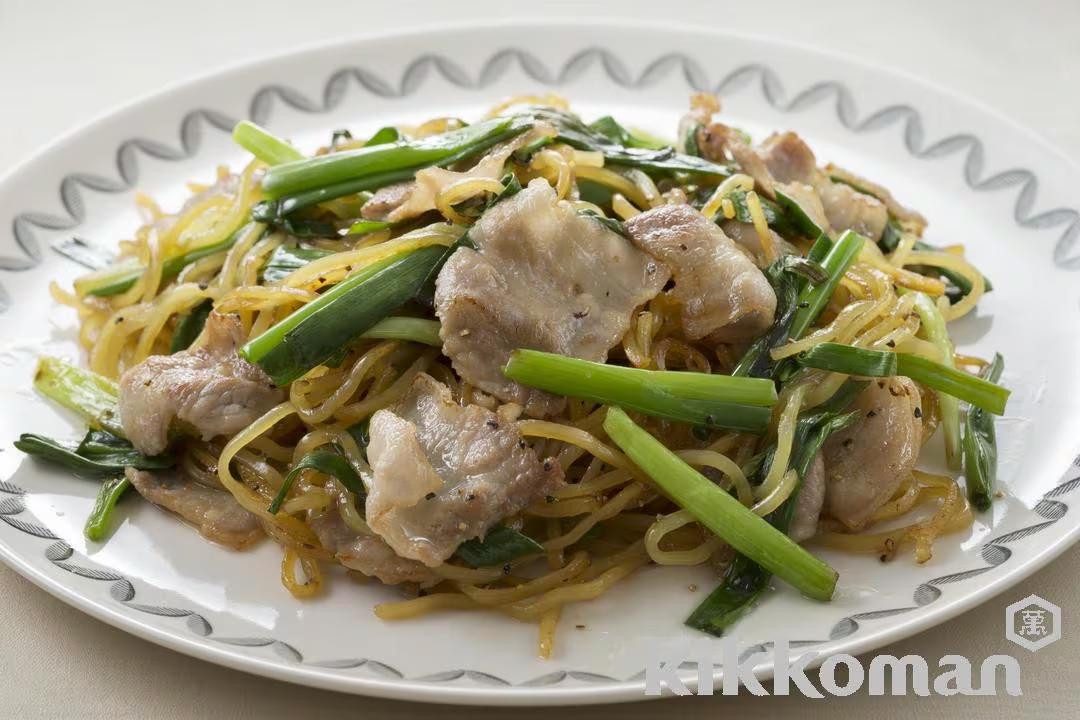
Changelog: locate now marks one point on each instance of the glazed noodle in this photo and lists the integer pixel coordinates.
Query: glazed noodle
(353, 403)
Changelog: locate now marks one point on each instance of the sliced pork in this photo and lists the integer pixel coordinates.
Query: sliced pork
(208, 388)
(866, 462)
(811, 500)
(542, 277)
(212, 511)
(720, 292)
(367, 554)
(443, 474)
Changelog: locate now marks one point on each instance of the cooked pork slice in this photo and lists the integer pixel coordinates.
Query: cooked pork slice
(212, 511)
(718, 141)
(865, 463)
(542, 277)
(746, 237)
(208, 388)
(443, 474)
(367, 554)
(790, 160)
(899, 211)
(402, 201)
(719, 290)
(849, 209)
(811, 500)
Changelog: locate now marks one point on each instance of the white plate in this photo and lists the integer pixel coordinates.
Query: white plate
(979, 179)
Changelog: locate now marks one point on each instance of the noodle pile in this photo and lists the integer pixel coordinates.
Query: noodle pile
(609, 520)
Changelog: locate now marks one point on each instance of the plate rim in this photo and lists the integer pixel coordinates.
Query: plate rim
(414, 689)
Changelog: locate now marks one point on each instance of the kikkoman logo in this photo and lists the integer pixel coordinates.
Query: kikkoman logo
(1033, 623)
(886, 675)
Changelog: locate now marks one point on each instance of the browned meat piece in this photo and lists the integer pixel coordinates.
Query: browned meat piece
(719, 290)
(718, 141)
(865, 463)
(207, 387)
(542, 277)
(811, 500)
(901, 212)
(746, 237)
(212, 511)
(443, 474)
(386, 200)
(367, 554)
(789, 159)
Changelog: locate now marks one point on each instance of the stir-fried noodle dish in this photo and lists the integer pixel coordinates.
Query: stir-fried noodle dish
(505, 363)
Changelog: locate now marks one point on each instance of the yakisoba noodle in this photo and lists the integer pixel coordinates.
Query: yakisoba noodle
(609, 519)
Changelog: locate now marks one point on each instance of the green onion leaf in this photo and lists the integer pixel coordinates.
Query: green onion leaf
(100, 518)
(725, 516)
(324, 461)
(813, 298)
(190, 325)
(980, 446)
(835, 357)
(500, 546)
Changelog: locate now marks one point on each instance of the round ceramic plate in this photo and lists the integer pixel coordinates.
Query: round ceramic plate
(980, 180)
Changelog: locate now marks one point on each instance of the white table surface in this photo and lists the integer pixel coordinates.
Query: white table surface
(63, 63)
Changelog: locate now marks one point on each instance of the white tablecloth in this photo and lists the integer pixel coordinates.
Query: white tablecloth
(61, 64)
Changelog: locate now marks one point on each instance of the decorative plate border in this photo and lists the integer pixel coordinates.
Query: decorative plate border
(994, 552)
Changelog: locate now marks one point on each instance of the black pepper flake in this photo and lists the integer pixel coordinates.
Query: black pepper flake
(848, 442)
(580, 627)
(549, 498)
(119, 320)
(147, 383)
(710, 420)
(871, 413)
(493, 424)
(322, 279)
(682, 246)
(430, 496)
(421, 592)
(506, 569)
(891, 343)
(521, 444)
(804, 304)
(669, 285)
(578, 314)
(547, 465)
(470, 497)
(203, 286)
(918, 412)
(348, 268)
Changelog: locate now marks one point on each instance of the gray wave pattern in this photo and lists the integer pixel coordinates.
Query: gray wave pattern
(993, 552)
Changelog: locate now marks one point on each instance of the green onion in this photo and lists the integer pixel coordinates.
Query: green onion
(353, 166)
(384, 136)
(500, 546)
(891, 237)
(99, 454)
(119, 278)
(610, 128)
(94, 397)
(287, 259)
(327, 462)
(316, 331)
(800, 219)
(418, 330)
(97, 523)
(698, 398)
(190, 325)
(980, 446)
(813, 298)
(363, 227)
(269, 148)
(876, 363)
(933, 328)
(725, 516)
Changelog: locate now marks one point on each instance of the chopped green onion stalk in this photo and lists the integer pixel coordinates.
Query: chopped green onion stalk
(721, 513)
(94, 397)
(99, 454)
(100, 518)
(190, 326)
(698, 398)
(980, 446)
(800, 219)
(418, 330)
(876, 363)
(315, 332)
(813, 298)
(933, 327)
(269, 148)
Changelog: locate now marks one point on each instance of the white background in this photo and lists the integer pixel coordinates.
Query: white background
(61, 64)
